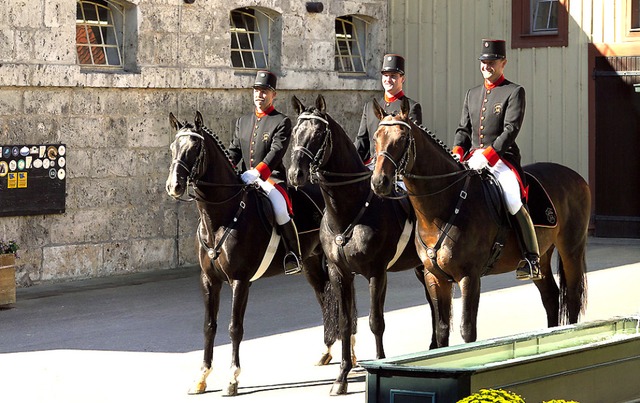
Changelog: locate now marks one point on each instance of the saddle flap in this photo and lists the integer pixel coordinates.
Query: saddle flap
(541, 208)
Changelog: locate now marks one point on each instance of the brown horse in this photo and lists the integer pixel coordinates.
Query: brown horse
(236, 240)
(457, 231)
(360, 233)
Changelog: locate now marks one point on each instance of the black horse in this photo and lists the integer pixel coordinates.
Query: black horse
(360, 233)
(236, 239)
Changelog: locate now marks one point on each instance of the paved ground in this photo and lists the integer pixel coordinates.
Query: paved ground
(138, 337)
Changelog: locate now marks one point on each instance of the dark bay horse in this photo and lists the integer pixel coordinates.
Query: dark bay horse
(360, 233)
(236, 241)
(457, 232)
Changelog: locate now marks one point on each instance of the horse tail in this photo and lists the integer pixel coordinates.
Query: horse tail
(577, 296)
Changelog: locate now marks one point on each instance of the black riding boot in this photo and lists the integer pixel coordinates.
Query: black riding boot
(529, 268)
(292, 263)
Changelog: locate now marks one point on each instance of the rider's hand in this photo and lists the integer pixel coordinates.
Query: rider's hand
(478, 161)
(250, 176)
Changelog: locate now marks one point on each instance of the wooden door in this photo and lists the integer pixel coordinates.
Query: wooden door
(617, 182)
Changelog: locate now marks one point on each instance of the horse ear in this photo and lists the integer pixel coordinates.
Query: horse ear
(404, 108)
(379, 112)
(321, 104)
(173, 121)
(198, 120)
(297, 105)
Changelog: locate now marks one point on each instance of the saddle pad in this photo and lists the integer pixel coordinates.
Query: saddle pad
(541, 208)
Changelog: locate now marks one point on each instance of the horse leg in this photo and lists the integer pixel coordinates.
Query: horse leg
(470, 290)
(548, 289)
(240, 294)
(211, 294)
(319, 281)
(441, 294)
(420, 275)
(377, 294)
(342, 284)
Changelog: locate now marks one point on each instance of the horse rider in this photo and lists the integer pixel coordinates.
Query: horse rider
(392, 81)
(260, 140)
(491, 119)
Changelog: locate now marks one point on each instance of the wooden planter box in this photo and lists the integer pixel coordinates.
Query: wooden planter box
(589, 362)
(7, 279)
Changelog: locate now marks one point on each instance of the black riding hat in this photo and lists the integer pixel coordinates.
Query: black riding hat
(265, 79)
(493, 49)
(393, 64)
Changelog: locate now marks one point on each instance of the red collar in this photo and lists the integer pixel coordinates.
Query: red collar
(261, 114)
(490, 86)
(393, 98)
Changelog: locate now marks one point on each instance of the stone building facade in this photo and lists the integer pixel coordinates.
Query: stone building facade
(172, 56)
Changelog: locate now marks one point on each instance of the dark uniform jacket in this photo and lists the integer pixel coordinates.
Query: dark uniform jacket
(369, 123)
(491, 119)
(265, 140)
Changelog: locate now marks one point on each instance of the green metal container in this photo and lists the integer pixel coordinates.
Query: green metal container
(589, 362)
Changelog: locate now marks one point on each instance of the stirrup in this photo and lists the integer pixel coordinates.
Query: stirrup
(529, 269)
(291, 264)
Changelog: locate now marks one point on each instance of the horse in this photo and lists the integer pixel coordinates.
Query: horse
(458, 235)
(236, 239)
(360, 232)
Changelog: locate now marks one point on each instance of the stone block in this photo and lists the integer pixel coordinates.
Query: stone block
(71, 261)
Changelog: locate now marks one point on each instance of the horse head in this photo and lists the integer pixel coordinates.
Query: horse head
(393, 141)
(187, 155)
(311, 138)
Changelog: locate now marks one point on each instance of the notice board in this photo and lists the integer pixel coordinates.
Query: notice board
(32, 179)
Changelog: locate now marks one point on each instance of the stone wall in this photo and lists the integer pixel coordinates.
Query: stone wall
(115, 124)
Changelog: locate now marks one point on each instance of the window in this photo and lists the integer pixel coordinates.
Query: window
(633, 19)
(250, 29)
(350, 44)
(539, 23)
(100, 33)
(544, 16)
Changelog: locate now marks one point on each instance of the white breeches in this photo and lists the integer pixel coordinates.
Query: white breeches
(277, 200)
(510, 186)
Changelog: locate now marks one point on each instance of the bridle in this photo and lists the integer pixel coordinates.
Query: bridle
(317, 175)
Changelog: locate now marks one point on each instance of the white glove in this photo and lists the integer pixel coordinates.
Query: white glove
(478, 161)
(250, 176)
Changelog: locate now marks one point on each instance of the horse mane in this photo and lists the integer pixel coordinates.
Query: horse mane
(435, 139)
(220, 144)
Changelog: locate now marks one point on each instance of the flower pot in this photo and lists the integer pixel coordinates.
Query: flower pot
(7, 279)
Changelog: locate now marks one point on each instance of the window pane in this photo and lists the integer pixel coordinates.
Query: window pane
(544, 15)
(247, 45)
(349, 34)
(98, 39)
(635, 15)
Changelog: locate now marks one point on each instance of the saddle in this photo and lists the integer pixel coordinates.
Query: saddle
(307, 205)
(540, 206)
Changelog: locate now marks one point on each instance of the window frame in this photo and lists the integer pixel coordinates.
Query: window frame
(522, 33)
(262, 31)
(115, 24)
(632, 9)
(359, 28)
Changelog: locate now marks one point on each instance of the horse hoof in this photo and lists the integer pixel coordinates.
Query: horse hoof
(338, 388)
(232, 389)
(198, 389)
(324, 360)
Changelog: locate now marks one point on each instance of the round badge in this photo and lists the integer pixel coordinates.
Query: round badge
(24, 151)
(45, 163)
(52, 153)
(15, 152)
(62, 162)
(52, 173)
(62, 150)
(61, 174)
(4, 168)
(37, 163)
(12, 165)
(21, 165)
(6, 152)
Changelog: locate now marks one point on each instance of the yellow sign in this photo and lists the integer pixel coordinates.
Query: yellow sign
(12, 180)
(22, 180)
